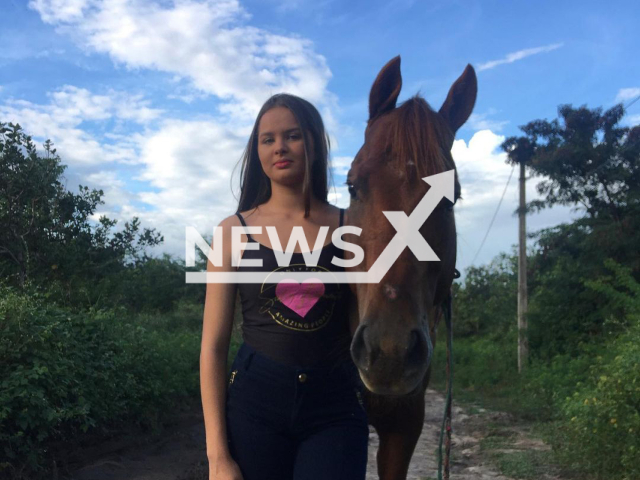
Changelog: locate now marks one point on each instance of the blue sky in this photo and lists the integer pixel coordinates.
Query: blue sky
(152, 100)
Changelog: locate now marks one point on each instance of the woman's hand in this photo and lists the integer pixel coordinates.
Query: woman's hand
(224, 468)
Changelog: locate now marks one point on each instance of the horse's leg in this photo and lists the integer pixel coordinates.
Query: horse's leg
(399, 430)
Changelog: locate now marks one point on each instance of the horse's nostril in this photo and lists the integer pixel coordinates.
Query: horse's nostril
(413, 339)
(359, 347)
(418, 351)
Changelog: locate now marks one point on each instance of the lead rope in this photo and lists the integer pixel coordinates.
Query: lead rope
(446, 421)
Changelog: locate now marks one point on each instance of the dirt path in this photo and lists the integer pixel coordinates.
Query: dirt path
(180, 454)
(468, 460)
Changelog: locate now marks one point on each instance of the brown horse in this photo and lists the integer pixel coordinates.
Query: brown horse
(394, 323)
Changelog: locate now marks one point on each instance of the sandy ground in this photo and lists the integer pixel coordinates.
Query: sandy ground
(180, 453)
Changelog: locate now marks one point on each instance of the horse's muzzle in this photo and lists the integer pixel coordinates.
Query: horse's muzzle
(391, 364)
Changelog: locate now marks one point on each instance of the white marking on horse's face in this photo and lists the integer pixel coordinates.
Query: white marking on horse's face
(390, 291)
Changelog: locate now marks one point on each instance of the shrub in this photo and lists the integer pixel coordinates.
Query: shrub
(602, 417)
(64, 375)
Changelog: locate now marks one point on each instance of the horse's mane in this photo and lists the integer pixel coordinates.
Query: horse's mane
(417, 137)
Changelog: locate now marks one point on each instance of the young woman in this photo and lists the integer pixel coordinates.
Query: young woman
(291, 409)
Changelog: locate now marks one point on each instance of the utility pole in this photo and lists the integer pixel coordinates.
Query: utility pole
(521, 150)
(523, 344)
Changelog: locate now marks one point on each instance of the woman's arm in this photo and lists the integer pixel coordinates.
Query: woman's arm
(216, 334)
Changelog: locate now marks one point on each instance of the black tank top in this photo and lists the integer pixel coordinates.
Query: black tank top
(304, 324)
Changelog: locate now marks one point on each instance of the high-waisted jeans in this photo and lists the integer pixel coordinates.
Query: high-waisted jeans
(294, 423)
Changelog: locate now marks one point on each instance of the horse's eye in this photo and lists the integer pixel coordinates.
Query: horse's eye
(352, 190)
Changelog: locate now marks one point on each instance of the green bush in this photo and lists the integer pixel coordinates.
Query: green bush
(185, 316)
(602, 418)
(480, 364)
(543, 385)
(494, 287)
(66, 375)
(152, 285)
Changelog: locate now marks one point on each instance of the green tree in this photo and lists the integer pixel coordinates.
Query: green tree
(46, 231)
(587, 160)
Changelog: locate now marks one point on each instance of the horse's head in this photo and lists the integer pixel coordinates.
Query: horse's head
(393, 343)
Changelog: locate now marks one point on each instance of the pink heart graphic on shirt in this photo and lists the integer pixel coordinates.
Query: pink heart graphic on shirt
(300, 297)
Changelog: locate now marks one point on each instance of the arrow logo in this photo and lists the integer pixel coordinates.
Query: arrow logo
(408, 227)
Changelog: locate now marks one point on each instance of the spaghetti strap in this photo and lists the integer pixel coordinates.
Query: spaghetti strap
(249, 237)
(341, 215)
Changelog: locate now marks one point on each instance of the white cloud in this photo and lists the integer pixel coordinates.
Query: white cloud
(633, 120)
(519, 55)
(202, 40)
(78, 103)
(115, 191)
(483, 176)
(61, 121)
(339, 196)
(60, 10)
(479, 121)
(185, 165)
(481, 168)
(207, 49)
(481, 151)
(49, 53)
(189, 164)
(625, 94)
(341, 165)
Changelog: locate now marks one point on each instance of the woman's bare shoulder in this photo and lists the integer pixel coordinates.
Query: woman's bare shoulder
(248, 213)
(230, 221)
(331, 213)
(234, 220)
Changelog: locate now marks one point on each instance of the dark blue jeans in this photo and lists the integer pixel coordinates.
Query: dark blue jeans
(294, 423)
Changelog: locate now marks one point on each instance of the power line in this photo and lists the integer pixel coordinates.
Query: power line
(494, 216)
(631, 103)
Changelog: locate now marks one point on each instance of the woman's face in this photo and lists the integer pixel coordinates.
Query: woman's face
(281, 147)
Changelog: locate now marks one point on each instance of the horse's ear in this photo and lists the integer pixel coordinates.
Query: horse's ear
(458, 106)
(386, 88)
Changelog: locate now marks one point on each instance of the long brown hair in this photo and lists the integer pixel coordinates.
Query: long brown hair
(255, 186)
